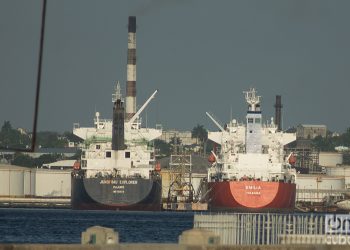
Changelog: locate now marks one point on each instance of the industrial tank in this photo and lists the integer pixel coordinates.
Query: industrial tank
(319, 182)
(16, 181)
(341, 171)
(315, 188)
(330, 159)
(52, 183)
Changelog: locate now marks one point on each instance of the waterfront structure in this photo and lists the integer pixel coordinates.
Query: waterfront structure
(184, 136)
(24, 182)
(259, 228)
(309, 131)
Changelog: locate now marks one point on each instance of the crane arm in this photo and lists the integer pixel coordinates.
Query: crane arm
(143, 107)
(216, 123)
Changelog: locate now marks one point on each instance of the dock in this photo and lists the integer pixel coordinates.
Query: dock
(181, 206)
(20, 202)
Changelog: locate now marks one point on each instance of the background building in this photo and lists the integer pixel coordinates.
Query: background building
(184, 136)
(306, 131)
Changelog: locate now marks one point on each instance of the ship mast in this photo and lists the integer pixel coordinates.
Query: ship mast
(252, 99)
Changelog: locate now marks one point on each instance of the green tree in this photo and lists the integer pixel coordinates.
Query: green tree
(23, 160)
(344, 139)
(10, 137)
(49, 139)
(201, 135)
(329, 142)
(46, 158)
(26, 160)
(162, 148)
(72, 137)
(322, 144)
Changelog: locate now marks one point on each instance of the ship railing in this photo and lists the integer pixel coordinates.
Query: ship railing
(102, 120)
(159, 126)
(275, 176)
(114, 175)
(97, 140)
(76, 125)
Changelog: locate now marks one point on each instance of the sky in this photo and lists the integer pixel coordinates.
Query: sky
(200, 54)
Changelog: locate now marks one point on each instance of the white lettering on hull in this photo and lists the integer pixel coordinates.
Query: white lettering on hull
(252, 189)
(116, 182)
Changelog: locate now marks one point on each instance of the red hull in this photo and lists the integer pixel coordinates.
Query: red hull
(251, 195)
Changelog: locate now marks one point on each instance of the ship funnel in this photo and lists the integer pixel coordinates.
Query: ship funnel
(130, 104)
(118, 120)
(278, 113)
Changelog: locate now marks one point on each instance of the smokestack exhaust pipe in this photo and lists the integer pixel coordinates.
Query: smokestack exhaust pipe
(118, 120)
(278, 113)
(130, 100)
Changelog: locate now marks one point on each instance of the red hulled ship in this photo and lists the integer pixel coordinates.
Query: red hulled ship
(251, 171)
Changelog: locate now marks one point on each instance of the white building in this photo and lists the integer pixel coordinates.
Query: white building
(308, 131)
(185, 136)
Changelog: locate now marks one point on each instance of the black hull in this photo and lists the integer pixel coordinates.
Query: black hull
(116, 193)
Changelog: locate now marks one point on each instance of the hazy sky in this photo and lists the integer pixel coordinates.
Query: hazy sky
(200, 54)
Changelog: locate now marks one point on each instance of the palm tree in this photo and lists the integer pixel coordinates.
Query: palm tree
(201, 135)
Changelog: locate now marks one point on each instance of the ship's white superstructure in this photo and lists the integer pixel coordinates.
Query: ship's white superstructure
(252, 150)
(137, 158)
(134, 132)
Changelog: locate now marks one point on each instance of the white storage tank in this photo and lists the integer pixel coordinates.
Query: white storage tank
(316, 187)
(330, 159)
(304, 181)
(29, 182)
(340, 171)
(52, 183)
(343, 170)
(16, 181)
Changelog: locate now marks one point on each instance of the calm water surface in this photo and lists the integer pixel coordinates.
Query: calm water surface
(65, 226)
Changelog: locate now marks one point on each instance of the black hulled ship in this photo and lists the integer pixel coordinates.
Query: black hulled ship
(117, 170)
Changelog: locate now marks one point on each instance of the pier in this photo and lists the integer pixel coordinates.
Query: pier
(20, 202)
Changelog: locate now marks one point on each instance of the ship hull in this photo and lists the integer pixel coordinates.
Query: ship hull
(253, 196)
(116, 193)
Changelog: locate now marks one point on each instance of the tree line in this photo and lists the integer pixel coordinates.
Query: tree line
(331, 141)
(15, 138)
(18, 138)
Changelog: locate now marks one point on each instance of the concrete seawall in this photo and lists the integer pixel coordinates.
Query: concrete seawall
(37, 202)
(143, 246)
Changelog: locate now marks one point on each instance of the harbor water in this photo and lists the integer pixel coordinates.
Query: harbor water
(65, 226)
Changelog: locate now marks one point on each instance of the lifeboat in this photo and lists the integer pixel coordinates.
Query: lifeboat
(76, 165)
(211, 158)
(157, 167)
(292, 159)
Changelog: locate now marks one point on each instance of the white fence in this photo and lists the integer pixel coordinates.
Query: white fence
(259, 228)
